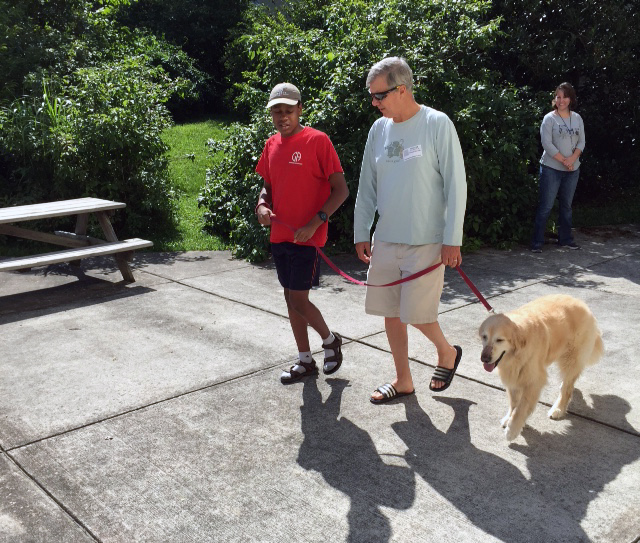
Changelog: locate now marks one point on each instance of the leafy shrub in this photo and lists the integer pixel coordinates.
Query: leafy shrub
(89, 120)
(326, 49)
(231, 199)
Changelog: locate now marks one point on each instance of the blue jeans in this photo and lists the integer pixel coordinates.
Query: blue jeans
(563, 185)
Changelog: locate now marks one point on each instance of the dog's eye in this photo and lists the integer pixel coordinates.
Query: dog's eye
(484, 337)
(499, 340)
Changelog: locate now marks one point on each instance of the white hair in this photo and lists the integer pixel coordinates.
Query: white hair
(395, 69)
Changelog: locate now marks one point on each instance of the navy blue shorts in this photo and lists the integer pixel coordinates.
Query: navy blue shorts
(298, 266)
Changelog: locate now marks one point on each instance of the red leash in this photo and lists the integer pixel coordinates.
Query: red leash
(474, 289)
(399, 281)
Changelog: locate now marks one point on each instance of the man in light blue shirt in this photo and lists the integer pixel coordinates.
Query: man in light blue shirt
(413, 175)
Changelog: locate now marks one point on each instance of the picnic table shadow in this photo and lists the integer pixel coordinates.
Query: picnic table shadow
(566, 470)
(84, 292)
(347, 458)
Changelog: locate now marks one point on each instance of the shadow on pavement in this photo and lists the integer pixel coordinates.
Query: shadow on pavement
(346, 457)
(143, 259)
(566, 473)
(85, 292)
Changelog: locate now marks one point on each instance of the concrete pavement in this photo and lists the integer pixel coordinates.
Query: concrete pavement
(153, 411)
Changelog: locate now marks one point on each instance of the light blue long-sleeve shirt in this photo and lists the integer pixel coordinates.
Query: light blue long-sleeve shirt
(413, 175)
(562, 136)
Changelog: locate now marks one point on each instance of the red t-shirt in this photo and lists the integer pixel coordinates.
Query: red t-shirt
(298, 170)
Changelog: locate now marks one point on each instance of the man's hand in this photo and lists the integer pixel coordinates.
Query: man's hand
(264, 215)
(451, 255)
(306, 232)
(363, 248)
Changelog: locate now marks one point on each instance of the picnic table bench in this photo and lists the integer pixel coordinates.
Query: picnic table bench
(82, 245)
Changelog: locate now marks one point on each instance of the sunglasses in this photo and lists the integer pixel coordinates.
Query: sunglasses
(382, 95)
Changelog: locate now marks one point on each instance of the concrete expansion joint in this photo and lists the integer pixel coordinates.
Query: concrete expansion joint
(65, 509)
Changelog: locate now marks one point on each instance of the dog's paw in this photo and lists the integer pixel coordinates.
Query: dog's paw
(505, 420)
(555, 413)
(511, 433)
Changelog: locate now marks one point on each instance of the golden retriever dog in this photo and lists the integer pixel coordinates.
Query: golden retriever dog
(524, 342)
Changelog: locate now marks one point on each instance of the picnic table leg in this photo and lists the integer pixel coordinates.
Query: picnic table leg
(110, 234)
(81, 230)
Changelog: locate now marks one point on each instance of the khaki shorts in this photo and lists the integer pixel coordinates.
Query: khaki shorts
(415, 302)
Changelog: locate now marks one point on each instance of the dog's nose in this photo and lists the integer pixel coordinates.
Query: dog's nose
(485, 356)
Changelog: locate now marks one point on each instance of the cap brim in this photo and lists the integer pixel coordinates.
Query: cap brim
(287, 101)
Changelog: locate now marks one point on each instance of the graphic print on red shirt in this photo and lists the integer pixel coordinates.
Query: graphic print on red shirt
(298, 170)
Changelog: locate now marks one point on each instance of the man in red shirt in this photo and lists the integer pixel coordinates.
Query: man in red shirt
(303, 186)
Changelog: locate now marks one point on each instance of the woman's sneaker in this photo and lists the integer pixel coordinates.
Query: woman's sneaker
(573, 246)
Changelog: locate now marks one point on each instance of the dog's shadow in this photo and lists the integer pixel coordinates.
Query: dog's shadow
(566, 473)
(347, 458)
(575, 465)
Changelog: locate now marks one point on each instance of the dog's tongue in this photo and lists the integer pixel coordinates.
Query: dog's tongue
(489, 366)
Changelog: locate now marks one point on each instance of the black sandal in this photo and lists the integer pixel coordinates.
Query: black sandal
(310, 368)
(444, 374)
(389, 393)
(336, 345)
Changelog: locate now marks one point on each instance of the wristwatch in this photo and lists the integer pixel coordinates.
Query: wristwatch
(323, 216)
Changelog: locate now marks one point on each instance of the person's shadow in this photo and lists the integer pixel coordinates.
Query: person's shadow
(566, 473)
(346, 457)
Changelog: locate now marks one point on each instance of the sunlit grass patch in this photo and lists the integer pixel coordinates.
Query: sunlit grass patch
(187, 164)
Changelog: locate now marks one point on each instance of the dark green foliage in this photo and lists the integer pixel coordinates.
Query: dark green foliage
(326, 49)
(83, 109)
(231, 199)
(595, 45)
(200, 28)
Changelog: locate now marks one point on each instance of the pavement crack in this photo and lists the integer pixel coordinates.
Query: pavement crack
(145, 406)
(59, 503)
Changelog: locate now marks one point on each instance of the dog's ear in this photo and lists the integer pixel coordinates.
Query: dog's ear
(519, 338)
(484, 324)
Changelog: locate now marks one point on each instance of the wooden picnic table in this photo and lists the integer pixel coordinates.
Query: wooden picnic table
(83, 246)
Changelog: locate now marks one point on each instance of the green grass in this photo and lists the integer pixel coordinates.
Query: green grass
(188, 161)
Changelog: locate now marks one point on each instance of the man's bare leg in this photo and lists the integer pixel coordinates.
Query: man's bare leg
(446, 352)
(303, 312)
(399, 344)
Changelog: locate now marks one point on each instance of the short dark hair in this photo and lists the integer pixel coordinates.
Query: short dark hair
(569, 92)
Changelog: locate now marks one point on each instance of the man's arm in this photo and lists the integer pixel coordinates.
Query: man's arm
(455, 192)
(366, 200)
(339, 193)
(263, 207)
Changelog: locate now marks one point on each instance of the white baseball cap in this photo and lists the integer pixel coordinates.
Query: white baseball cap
(284, 93)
